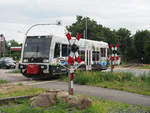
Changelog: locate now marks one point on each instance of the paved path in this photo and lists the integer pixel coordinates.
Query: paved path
(114, 95)
(11, 77)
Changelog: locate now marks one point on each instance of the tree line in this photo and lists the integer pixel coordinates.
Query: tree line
(135, 48)
(15, 54)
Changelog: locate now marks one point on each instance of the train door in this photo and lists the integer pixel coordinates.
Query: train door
(88, 59)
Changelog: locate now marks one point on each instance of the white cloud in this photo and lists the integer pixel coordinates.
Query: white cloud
(20, 14)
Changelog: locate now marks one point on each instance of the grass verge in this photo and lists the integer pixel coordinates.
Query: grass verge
(3, 82)
(14, 71)
(144, 67)
(120, 81)
(99, 105)
(18, 90)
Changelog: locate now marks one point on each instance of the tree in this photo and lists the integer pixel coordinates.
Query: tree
(94, 30)
(109, 36)
(14, 54)
(130, 47)
(142, 44)
(124, 40)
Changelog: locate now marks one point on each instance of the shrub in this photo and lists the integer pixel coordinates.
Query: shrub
(83, 77)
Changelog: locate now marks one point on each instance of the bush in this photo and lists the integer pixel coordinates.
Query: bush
(145, 77)
(3, 81)
(83, 77)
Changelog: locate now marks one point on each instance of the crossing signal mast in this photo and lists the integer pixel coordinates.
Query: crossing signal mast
(114, 55)
(74, 47)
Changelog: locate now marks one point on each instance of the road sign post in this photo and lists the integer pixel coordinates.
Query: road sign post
(71, 60)
(114, 55)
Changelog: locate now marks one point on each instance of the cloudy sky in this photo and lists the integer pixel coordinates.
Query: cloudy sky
(18, 15)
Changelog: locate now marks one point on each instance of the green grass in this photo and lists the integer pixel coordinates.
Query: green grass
(99, 105)
(14, 71)
(144, 67)
(120, 81)
(19, 91)
(3, 82)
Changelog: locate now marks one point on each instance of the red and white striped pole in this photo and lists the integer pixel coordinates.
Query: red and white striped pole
(71, 77)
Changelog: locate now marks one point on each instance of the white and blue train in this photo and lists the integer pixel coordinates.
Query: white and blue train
(43, 56)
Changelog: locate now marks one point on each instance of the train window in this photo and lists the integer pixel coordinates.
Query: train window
(95, 56)
(103, 52)
(68, 50)
(82, 55)
(57, 50)
(64, 50)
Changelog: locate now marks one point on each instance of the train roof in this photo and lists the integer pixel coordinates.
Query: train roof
(82, 42)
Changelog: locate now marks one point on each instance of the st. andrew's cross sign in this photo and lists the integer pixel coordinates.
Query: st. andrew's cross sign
(74, 47)
(114, 55)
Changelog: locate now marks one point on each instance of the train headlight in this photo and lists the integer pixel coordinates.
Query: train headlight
(42, 67)
(21, 66)
(25, 60)
(45, 60)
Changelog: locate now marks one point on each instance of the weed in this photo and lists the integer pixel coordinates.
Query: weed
(14, 71)
(19, 91)
(121, 81)
(99, 105)
(3, 81)
(20, 84)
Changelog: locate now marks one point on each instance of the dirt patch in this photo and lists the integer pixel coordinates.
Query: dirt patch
(5, 89)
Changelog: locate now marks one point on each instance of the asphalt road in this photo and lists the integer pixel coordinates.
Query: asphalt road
(19, 77)
(10, 77)
(114, 95)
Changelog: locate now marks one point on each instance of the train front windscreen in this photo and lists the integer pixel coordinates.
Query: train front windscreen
(36, 49)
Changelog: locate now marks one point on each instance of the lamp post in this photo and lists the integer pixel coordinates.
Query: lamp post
(9, 44)
(57, 23)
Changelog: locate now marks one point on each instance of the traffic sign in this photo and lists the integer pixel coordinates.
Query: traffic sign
(114, 55)
(74, 47)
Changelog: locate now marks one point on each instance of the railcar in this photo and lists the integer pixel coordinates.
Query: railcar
(45, 56)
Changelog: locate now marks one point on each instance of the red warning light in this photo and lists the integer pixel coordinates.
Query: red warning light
(111, 45)
(68, 36)
(117, 57)
(117, 45)
(78, 36)
(111, 58)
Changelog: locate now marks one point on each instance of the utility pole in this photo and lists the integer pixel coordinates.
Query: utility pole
(86, 50)
(86, 29)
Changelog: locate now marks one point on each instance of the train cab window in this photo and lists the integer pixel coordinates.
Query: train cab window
(57, 50)
(64, 50)
(103, 52)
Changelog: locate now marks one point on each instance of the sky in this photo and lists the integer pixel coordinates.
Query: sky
(18, 15)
